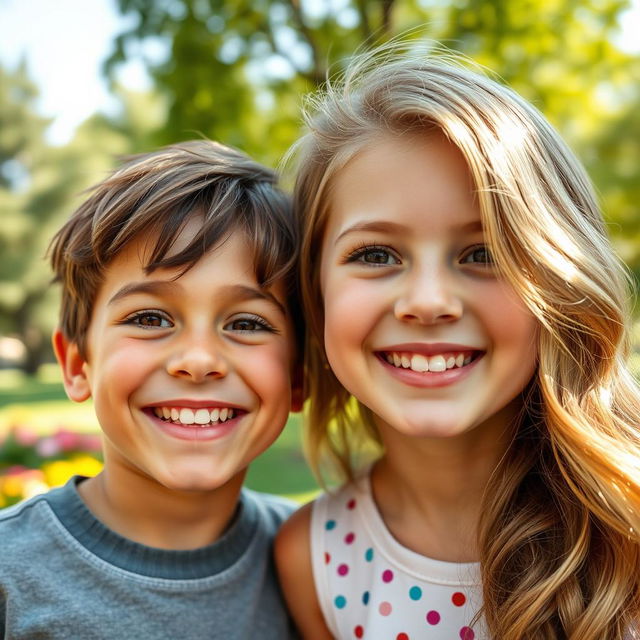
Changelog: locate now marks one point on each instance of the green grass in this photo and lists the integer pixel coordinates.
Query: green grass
(40, 404)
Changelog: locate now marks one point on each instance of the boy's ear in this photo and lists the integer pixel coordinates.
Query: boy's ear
(297, 388)
(72, 364)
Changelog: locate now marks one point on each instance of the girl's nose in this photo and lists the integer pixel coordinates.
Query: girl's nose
(197, 361)
(428, 296)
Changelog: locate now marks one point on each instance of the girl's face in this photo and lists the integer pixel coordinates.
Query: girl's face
(418, 325)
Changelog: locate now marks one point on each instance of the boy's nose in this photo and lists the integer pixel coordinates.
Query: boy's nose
(428, 296)
(198, 362)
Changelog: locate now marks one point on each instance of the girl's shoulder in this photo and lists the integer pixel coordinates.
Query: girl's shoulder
(292, 551)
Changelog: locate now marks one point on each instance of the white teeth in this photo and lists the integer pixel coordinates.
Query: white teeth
(437, 363)
(202, 416)
(187, 416)
(419, 363)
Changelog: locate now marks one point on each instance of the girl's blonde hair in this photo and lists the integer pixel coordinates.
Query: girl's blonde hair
(560, 548)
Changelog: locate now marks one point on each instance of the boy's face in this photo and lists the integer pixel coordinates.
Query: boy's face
(190, 376)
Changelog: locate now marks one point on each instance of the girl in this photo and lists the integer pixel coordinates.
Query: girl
(461, 288)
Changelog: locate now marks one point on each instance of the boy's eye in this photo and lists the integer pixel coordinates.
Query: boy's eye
(373, 255)
(149, 320)
(249, 324)
(479, 254)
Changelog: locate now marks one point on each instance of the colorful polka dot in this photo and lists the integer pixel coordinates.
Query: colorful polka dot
(415, 593)
(343, 569)
(349, 538)
(402, 636)
(458, 599)
(327, 557)
(365, 598)
(340, 602)
(387, 575)
(368, 554)
(330, 524)
(433, 617)
(351, 504)
(358, 632)
(466, 633)
(385, 608)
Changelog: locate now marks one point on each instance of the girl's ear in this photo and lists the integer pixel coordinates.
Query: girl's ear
(72, 364)
(297, 388)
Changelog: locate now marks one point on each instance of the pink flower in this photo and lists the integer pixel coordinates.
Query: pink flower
(24, 436)
(47, 447)
(67, 440)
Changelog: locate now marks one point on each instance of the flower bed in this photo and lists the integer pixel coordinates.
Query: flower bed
(32, 464)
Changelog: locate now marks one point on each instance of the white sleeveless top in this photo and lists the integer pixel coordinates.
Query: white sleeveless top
(369, 586)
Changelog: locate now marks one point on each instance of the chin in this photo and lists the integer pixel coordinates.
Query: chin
(192, 480)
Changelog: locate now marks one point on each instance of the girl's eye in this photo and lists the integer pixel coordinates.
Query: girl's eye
(373, 255)
(249, 324)
(478, 255)
(149, 320)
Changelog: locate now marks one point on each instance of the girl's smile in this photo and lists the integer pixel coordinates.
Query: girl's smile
(419, 326)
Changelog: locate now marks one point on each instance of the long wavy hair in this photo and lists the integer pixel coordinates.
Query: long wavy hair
(559, 535)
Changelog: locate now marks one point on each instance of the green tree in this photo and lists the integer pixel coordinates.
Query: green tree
(236, 71)
(39, 187)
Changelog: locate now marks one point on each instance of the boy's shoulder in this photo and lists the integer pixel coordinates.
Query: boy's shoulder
(29, 532)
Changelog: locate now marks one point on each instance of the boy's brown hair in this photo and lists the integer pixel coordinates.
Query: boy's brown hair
(153, 195)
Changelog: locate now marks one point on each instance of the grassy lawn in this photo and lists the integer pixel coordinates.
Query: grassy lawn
(40, 404)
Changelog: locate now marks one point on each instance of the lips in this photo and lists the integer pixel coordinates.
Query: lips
(423, 363)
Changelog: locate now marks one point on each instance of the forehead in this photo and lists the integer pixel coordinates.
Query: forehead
(417, 179)
(229, 262)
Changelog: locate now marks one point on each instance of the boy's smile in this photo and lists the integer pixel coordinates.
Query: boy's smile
(190, 374)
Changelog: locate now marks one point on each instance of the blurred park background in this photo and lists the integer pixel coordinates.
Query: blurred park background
(83, 83)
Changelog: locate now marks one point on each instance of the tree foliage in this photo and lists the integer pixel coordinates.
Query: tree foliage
(39, 187)
(236, 71)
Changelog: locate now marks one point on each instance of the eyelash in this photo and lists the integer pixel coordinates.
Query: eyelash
(361, 251)
(259, 320)
(134, 319)
(479, 247)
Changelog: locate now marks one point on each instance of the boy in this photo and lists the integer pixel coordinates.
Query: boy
(176, 279)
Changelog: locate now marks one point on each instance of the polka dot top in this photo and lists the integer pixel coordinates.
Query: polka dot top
(370, 586)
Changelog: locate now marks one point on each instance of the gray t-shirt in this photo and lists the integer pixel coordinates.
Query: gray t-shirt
(64, 575)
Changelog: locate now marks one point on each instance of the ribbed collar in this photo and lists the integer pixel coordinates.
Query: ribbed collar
(149, 561)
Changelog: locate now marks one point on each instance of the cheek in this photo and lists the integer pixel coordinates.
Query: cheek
(268, 372)
(350, 312)
(122, 369)
(514, 329)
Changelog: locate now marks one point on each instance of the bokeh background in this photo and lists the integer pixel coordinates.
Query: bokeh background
(83, 83)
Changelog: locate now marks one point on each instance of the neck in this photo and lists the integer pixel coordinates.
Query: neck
(430, 491)
(138, 508)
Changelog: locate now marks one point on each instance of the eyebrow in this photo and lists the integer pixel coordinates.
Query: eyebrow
(386, 226)
(240, 292)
